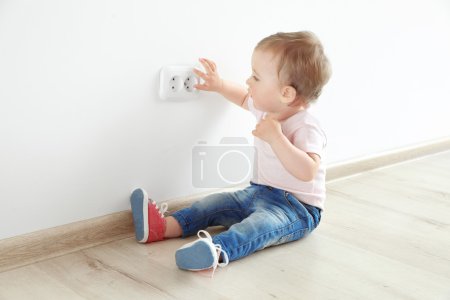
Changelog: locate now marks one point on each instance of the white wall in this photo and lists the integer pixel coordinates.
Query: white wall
(81, 123)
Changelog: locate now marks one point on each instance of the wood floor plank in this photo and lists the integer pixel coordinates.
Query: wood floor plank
(401, 237)
(32, 283)
(348, 270)
(401, 192)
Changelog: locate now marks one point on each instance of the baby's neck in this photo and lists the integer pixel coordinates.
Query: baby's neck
(283, 115)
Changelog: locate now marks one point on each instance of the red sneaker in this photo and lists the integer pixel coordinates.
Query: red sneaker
(148, 218)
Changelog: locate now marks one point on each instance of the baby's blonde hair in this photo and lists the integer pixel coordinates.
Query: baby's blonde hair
(302, 62)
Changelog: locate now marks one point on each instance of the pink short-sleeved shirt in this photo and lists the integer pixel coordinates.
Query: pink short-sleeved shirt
(303, 131)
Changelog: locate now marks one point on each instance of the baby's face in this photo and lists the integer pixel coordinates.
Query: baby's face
(264, 85)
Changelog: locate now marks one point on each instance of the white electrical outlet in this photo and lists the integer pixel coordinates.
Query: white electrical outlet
(178, 82)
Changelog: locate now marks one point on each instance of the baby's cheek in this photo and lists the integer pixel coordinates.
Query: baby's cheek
(257, 104)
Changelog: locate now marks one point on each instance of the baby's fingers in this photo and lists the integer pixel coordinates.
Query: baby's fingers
(211, 64)
(201, 87)
(207, 65)
(200, 74)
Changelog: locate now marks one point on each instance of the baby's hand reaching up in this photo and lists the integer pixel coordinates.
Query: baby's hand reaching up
(212, 80)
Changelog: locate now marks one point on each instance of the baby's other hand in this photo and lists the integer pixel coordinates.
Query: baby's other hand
(212, 81)
(268, 129)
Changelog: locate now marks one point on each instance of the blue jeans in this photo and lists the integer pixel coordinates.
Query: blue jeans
(256, 217)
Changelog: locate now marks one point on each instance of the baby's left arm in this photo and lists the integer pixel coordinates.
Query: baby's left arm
(300, 164)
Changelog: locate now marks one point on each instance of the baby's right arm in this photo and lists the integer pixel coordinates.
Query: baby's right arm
(232, 91)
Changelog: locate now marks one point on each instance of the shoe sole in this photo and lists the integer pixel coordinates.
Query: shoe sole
(139, 207)
(196, 257)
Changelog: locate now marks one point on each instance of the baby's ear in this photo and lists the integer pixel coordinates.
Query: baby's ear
(288, 94)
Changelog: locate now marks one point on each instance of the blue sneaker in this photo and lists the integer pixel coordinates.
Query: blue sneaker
(201, 254)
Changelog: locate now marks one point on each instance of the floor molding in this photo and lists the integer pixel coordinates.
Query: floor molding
(379, 160)
(48, 243)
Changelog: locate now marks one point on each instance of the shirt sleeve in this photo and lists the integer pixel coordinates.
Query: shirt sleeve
(251, 107)
(311, 139)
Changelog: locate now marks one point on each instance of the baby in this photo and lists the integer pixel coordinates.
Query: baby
(286, 197)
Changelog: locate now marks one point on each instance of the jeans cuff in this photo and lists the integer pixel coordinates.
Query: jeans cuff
(217, 240)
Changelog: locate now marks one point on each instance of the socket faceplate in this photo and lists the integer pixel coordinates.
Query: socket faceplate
(177, 81)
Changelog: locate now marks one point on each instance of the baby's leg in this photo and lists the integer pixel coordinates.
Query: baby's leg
(217, 209)
(173, 228)
(277, 219)
(221, 209)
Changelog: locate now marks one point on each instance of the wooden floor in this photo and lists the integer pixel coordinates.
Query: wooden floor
(385, 234)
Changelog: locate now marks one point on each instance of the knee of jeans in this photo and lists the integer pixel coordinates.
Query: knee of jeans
(209, 201)
(294, 236)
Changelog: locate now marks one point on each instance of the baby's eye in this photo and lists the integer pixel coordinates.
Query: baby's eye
(254, 77)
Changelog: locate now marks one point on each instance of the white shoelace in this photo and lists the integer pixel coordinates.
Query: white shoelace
(218, 248)
(162, 209)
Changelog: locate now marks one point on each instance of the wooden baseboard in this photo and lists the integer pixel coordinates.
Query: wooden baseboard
(48, 243)
(379, 160)
(44, 244)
